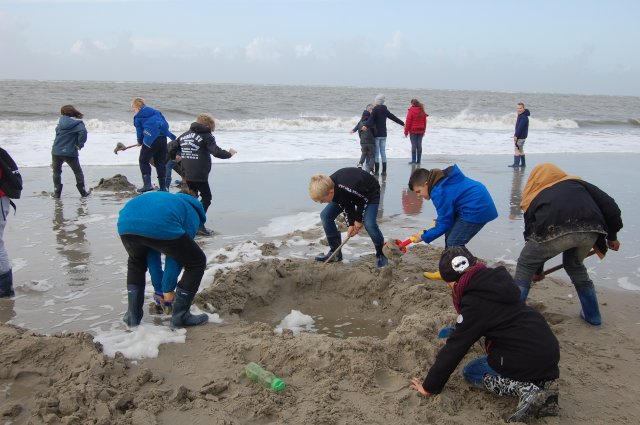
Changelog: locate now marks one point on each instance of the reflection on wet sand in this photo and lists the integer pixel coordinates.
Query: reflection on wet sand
(7, 312)
(515, 213)
(411, 202)
(72, 242)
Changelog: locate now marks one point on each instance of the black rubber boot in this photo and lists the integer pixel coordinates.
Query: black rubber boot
(6, 285)
(384, 168)
(516, 162)
(162, 184)
(57, 191)
(376, 169)
(334, 243)
(82, 190)
(522, 161)
(146, 184)
(181, 315)
(135, 298)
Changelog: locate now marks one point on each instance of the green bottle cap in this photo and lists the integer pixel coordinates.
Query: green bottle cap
(278, 385)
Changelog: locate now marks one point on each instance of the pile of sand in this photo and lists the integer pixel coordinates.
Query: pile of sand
(117, 183)
(65, 379)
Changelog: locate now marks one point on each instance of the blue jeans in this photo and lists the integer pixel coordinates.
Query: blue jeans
(416, 147)
(380, 149)
(475, 370)
(331, 212)
(167, 173)
(461, 233)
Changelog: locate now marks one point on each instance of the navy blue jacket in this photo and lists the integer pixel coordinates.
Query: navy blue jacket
(378, 119)
(71, 135)
(522, 125)
(151, 124)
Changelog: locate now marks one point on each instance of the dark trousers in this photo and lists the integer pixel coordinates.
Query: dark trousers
(183, 249)
(203, 191)
(73, 162)
(367, 151)
(157, 151)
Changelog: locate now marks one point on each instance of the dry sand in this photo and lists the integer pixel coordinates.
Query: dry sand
(66, 379)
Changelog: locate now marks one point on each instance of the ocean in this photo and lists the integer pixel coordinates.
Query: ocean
(267, 123)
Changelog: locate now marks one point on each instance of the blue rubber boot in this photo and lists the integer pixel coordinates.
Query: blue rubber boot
(135, 298)
(524, 287)
(181, 315)
(590, 312)
(334, 243)
(6, 285)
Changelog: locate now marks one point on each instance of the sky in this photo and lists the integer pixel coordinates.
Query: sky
(568, 46)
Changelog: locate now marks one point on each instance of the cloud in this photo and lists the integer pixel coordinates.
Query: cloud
(302, 51)
(263, 49)
(397, 45)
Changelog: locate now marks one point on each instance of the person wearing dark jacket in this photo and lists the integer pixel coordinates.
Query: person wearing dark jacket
(415, 126)
(356, 193)
(378, 119)
(522, 352)
(152, 130)
(71, 135)
(163, 222)
(520, 135)
(564, 214)
(367, 140)
(194, 148)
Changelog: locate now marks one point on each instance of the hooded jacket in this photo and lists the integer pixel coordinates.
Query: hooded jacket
(354, 189)
(522, 125)
(458, 196)
(416, 122)
(366, 137)
(378, 119)
(518, 341)
(150, 124)
(71, 135)
(195, 147)
(161, 215)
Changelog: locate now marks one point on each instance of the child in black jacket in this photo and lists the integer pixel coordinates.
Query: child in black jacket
(522, 352)
(367, 141)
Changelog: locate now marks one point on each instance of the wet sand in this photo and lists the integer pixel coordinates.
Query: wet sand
(70, 268)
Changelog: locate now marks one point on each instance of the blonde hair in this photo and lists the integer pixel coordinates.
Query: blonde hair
(206, 119)
(137, 103)
(319, 186)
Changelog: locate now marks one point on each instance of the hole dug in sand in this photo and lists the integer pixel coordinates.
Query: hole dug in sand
(344, 300)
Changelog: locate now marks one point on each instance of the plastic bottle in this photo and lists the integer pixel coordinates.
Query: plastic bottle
(256, 373)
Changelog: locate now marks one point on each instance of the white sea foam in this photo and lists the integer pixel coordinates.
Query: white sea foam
(297, 322)
(140, 342)
(287, 224)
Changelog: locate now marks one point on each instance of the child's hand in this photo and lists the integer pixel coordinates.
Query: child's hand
(417, 237)
(169, 297)
(232, 151)
(416, 384)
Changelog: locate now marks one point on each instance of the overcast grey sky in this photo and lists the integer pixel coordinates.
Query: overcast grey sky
(588, 47)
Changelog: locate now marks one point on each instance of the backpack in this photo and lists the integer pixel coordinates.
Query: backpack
(11, 181)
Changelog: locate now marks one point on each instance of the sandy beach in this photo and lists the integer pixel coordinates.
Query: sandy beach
(375, 329)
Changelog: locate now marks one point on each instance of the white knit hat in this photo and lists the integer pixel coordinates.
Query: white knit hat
(379, 99)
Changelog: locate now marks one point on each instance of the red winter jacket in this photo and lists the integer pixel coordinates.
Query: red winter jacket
(416, 122)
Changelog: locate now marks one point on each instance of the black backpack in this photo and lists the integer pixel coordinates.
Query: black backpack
(11, 181)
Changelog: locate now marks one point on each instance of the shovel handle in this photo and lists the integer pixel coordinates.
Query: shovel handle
(559, 266)
(333, 254)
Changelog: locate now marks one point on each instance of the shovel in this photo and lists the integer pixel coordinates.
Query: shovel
(121, 147)
(333, 254)
(560, 266)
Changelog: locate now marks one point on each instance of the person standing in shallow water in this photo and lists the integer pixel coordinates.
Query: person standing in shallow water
(378, 119)
(520, 135)
(71, 135)
(152, 130)
(415, 126)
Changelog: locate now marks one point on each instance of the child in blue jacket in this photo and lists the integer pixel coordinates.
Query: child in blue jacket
(463, 205)
(165, 223)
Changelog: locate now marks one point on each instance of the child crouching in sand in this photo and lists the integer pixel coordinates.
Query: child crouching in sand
(522, 352)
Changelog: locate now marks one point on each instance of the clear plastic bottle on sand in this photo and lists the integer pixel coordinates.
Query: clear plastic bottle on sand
(256, 373)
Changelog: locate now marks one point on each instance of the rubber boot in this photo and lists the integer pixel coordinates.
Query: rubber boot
(83, 192)
(384, 168)
(6, 285)
(135, 297)
(57, 191)
(181, 315)
(522, 161)
(162, 184)
(146, 184)
(203, 231)
(413, 158)
(381, 259)
(590, 312)
(334, 243)
(524, 287)
(376, 169)
(432, 275)
(516, 162)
